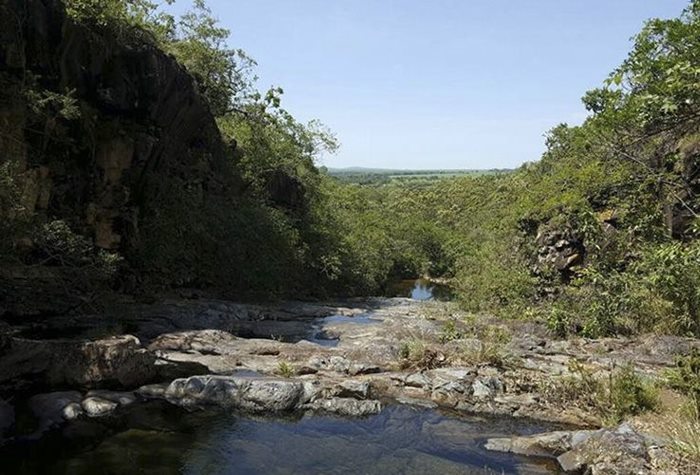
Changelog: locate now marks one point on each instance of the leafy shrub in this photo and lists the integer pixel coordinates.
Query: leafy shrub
(450, 332)
(628, 394)
(620, 394)
(124, 18)
(285, 369)
(59, 245)
(416, 353)
(685, 377)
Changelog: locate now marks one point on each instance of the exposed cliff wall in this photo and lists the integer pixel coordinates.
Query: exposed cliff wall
(95, 125)
(140, 117)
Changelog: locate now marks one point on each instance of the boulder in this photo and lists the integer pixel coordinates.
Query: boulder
(549, 444)
(153, 391)
(98, 407)
(255, 395)
(621, 451)
(117, 361)
(353, 389)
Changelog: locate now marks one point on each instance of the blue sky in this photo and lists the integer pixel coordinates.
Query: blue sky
(436, 83)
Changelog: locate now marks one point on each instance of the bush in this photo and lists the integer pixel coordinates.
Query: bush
(124, 18)
(685, 378)
(58, 245)
(285, 369)
(620, 394)
(628, 395)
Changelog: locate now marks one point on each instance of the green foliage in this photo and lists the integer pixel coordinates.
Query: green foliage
(222, 73)
(416, 353)
(59, 245)
(285, 369)
(124, 18)
(624, 182)
(685, 377)
(450, 331)
(620, 394)
(12, 213)
(628, 395)
(656, 292)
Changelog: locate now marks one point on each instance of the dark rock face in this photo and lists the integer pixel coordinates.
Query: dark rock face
(558, 250)
(285, 190)
(112, 362)
(141, 119)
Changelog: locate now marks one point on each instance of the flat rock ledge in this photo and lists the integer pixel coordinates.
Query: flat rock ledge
(619, 451)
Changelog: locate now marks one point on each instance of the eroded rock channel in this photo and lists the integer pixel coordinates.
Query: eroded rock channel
(398, 376)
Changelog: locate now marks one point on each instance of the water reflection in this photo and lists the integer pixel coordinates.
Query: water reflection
(401, 439)
(419, 289)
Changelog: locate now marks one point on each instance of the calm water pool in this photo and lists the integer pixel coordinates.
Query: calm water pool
(157, 439)
(419, 289)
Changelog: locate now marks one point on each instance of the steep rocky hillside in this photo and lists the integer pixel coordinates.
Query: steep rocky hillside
(95, 127)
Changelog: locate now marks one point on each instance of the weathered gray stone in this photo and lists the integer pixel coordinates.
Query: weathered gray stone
(123, 398)
(550, 444)
(353, 389)
(621, 451)
(73, 411)
(271, 395)
(153, 391)
(257, 395)
(347, 406)
(98, 407)
(212, 342)
(417, 380)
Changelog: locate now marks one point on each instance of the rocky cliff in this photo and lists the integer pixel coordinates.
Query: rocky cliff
(139, 117)
(94, 123)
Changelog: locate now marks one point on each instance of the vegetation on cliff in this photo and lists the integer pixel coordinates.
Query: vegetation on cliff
(599, 237)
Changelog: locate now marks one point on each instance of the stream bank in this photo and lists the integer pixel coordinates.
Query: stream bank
(351, 359)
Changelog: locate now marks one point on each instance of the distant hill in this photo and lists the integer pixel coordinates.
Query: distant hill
(366, 175)
(402, 171)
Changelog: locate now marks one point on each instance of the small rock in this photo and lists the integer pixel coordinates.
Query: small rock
(410, 401)
(481, 390)
(72, 411)
(311, 391)
(417, 380)
(123, 398)
(622, 451)
(525, 399)
(257, 395)
(363, 368)
(98, 407)
(152, 391)
(549, 444)
(354, 389)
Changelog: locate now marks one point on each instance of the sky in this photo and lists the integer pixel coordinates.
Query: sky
(436, 84)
